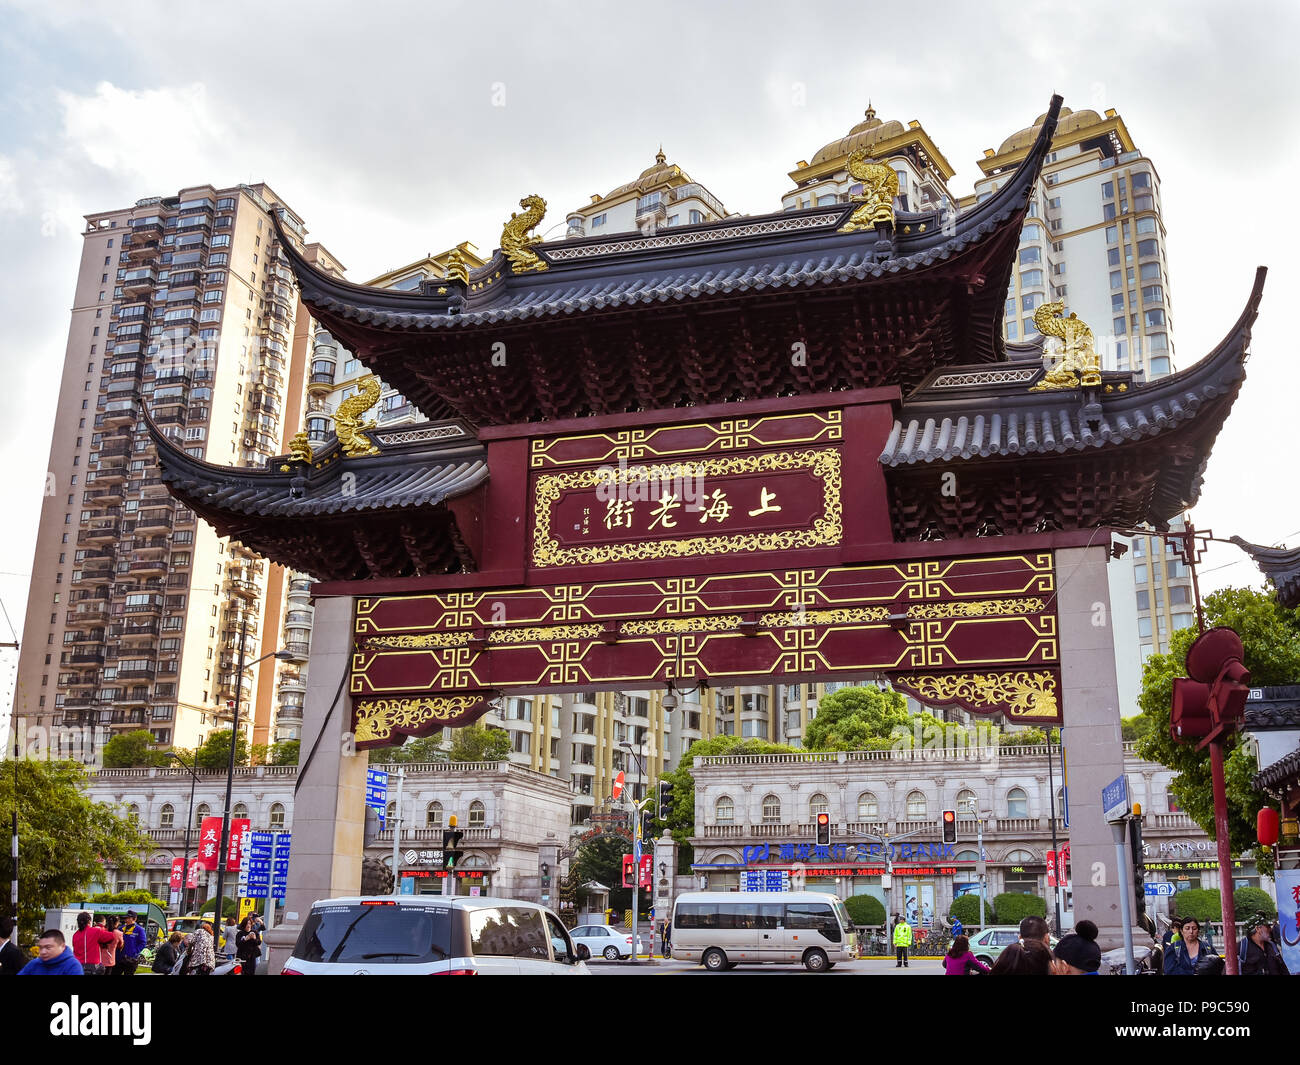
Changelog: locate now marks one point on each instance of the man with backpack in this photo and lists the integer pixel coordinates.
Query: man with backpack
(1257, 954)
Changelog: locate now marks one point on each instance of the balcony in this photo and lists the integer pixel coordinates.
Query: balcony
(300, 650)
(101, 531)
(124, 719)
(139, 252)
(112, 473)
(100, 498)
(153, 521)
(84, 619)
(293, 685)
(87, 658)
(97, 565)
(138, 673)
(143, 604)
(150, 548)
(148, 566)
(289, 712)
(120, 412)
(148, 228)
(136, 628)
(245, 589)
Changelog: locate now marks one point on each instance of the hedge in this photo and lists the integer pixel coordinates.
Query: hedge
(966, 908)
(1013, 907)
(865, 910)
(1206, 904)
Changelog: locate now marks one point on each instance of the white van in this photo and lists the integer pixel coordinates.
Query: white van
(431, 934)
(723, 929)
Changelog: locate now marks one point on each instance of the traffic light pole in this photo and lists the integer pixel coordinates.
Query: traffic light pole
(1225, 857)
(397, 833)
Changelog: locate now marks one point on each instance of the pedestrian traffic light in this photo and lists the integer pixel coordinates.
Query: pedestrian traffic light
(451, 854)
(950, 826)
(1213, 700)
(665, 799)
(823, 829)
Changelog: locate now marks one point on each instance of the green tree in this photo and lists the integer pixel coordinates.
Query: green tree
(1248, 900)
(865, 910)
(130, 749)
(474, 743)
(966, 908)
(601, 860)
(215, 752)
(1205, 904)
(1270, 635)
(1133, 729)
(681, 822)
(1012, 907)
(286, 753)
(859, 719)
(229, 906)
(64, 838)
(137, 895)
(413, 749)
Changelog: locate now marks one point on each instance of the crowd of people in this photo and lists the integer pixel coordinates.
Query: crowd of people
(103, 946)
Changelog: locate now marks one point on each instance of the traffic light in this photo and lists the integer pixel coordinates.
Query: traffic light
(1213, 700)
(823, 829)
(1139, 864)
(451, 854)
(629, 874)
(950, 826)
(665, 799)
(647, 825)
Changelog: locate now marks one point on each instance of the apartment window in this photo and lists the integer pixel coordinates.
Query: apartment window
(1030, 255)
(1144, 627)
(598, 221)
(1013, 330)
(1112, 257)
(696, 217)
(1108, 190)
(1146, 224)
(771, 810)
(1032, 231)
(200, 812)
(1117, 301)
(1119, 326)
(1147, 247)
(724, 810)
(1116, 279)
(167, 817)
(221, 240)
(277, 815)
(1144, 600)
(1141, 181)
(1031, 277)
(1108, 212)
(916, 806)
(1155, 317)
(1011, 306)
(1030, 301)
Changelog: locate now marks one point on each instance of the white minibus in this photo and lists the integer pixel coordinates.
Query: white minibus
(723, 929)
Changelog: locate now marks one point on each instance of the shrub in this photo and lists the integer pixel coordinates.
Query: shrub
(1012, 907)
(865, 910)
(1205, 904)
(1248, 900)
(229, 909)
(966, 908)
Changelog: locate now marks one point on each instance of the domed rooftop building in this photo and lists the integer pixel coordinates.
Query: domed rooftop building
(923, 172)
(1079, 131)
(662, 196)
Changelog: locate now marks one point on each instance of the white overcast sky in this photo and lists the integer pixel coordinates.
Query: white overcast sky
(381, 124)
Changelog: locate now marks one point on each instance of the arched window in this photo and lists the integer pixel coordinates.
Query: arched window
(391, 812)
(724, 810)
(1017, 803)
(240, 810)
(1020, 857)
(477, 814)
(967, 856)
(868, 806)
(818, 805)
(167, 816)
(433, 815)
(277, 815)
(916, 806)
(967, 803)
(133, 812)
(200, 812)
(771, 810)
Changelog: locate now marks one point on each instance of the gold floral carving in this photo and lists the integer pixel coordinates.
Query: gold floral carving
(841, 616)
(429, 641)
(377, 719)
(1025, 695)
(979, 609)
(654, 626)
(879, 188)
(517, 244)
(558, 632)
(825, 531)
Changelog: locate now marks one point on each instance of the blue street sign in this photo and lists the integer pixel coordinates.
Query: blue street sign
(259, 864)
(377, 793)
(1159, 890)
(636, 852)
(1114, 799)
(280, 865)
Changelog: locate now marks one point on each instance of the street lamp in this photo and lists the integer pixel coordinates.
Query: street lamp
(223, 855)
(981, 867)
(189, 826)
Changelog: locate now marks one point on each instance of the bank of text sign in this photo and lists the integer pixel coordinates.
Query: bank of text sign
(1114, 799)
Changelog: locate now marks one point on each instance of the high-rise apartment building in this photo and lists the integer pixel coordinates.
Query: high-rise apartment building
(1095, 240)
(183, 308)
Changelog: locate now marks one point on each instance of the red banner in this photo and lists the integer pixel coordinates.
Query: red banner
(178, 873)
(239, 827)
(210, 843)
(196, 873)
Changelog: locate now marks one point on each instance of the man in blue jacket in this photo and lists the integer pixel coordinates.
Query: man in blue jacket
(133, 941)
(54, 957)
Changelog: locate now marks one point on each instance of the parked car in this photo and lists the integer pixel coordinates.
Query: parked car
(431, 934)
(992, 941)
(602, 941)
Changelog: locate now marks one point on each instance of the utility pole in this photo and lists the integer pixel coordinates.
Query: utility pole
(397, 833)
(223, 852)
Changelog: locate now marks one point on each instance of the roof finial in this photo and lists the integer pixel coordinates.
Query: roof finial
(871, 111)
(660, 158)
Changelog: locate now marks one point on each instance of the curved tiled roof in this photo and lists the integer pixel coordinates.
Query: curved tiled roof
(1280, 565)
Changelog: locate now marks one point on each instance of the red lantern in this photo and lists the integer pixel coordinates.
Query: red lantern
(1266, 827)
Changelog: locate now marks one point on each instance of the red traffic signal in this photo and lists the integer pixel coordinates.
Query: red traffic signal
(823, 829)
(1215, 696)
(1189, 715)
(950, 826)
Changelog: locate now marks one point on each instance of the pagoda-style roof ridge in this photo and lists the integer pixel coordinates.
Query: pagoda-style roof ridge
(400, 477)
(748, 253)
(985, 412)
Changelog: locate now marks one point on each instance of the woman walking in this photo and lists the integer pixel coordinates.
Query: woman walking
(248, 947)
(203, 956)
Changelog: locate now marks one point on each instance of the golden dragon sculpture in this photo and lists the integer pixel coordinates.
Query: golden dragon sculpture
(516, 244)
(879, 187)
(348, 426)
(299, 448)
(1079, 363)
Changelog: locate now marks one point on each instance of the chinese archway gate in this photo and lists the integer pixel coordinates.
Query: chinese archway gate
(769, 449)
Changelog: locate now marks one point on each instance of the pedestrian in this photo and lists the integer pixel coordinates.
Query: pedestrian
(1032, 928)
(1028, 957)
(108, 951)
(959, 961)
(248, 946)
(202, 953)
(133, 941)
(958, 929)
(228, 934)
(1078, 954)
(54, 957)
(11, 958)
(1183, 955)
(1173, 935)
(1257, 953)
(902, 941)
(86, 943)
(168, 954)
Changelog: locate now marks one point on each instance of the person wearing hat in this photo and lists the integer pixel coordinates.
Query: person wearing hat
(1258, 954)
(1078, 954)
(133, 941)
